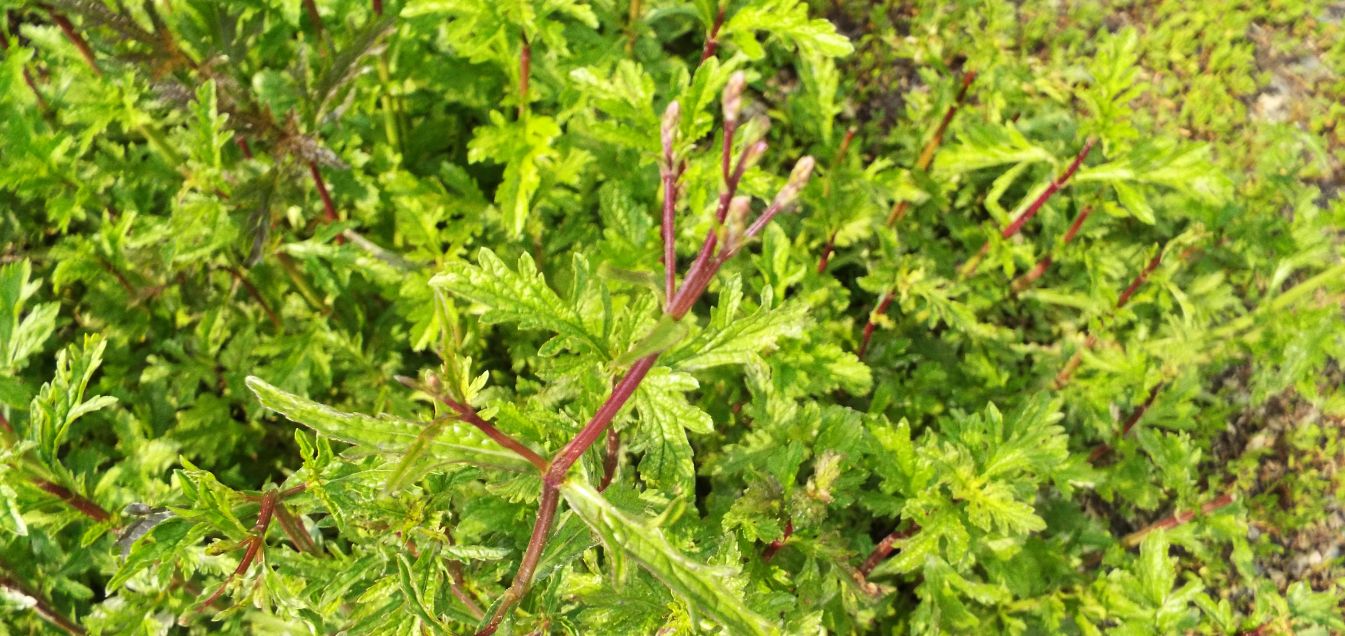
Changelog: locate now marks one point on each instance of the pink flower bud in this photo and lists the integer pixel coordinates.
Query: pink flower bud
(803, 170)
(671, 117)
(753, 154)
(733, 97)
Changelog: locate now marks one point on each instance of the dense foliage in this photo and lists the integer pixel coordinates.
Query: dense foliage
(668, 316)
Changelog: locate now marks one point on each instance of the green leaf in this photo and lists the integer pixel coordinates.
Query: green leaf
(699, 584)
(666, 333)
(785, 20)
(665, 416)
(1157, 572)
(476, 552)
(985, 146)
(459, 442)
(734, 338)
(21, 335)
(60, 402)
(523, 147)
(210, 126)
(519, 297)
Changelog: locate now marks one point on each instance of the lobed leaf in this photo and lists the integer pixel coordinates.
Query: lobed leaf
(699, 584)
(459, 442)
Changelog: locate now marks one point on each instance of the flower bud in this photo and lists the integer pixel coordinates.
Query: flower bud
(797, 179)
(733, 97)
(671, 117)
(753, 154)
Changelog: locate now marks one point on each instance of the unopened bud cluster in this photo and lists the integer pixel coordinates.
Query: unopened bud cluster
(803, 170)
(672, 116)
(733, 98)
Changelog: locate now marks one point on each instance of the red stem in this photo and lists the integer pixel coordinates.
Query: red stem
(712, 42)
(1101, 450)
(257, 296)
(85, 506)
(466, 414)
(243, 146)
(328, 207)
(76, 39)
(707, 263)
(769, 552)
(1017, 224)
(1074, 361)
(28, 79)
(885, 548)
(827, 249)
(702, 269)
(1139, 280)
(1180, 518)
(669, 177)
(378, 8)
(932, 146)
(597, 425)
(872, 324)
(254, 544)
(1040, 269)
(826, 192)
(294, 529)
(922, 164)
(1077, 224)
(546, 514)
(1051, 189)
(41, 605)
(312, 9)
(926, 157)
(610, 459)
(469, 415)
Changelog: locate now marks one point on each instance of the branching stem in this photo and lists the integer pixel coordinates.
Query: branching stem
(255, 543)
(469, 415)
(882, 550)
(43, 607)
(82, 45)
(87, 507)
(774, 546)
(1101, 450)
(694, 284)
(1179, 518)
(712, 42)
(1031, 210)
(927, 153)
(1026, 280)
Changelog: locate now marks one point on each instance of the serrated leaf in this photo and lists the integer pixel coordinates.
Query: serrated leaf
(519, 297)
(21, 335)
(476, 552)
(458, 442)
(786, 20)
(699, 584)
(60, 402)
(1156, 571)
(665, 415)
(523, 147)
(732, 338)
(156, 548)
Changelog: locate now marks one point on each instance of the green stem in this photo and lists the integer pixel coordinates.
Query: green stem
(161, 145)
(387, 102)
